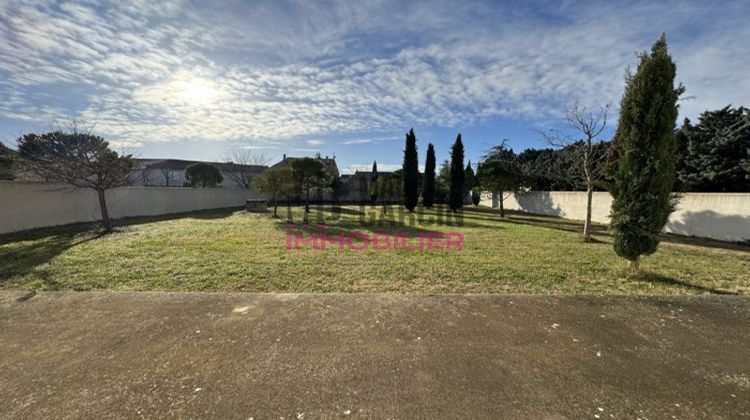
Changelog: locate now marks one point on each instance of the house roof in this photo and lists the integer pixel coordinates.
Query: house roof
(329, 164)
(179, 164)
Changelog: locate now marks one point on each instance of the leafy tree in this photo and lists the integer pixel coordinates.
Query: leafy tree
(644, 155)
(500, 173)
(388, 188)
(715, 153)
(411, 172)
(275, 182)
(338, 188)
(589, 123)
(7, 163)
(309, 173)
(204, 175)
(428, 193)
(457, 191)
(78, 158)
(443, 183)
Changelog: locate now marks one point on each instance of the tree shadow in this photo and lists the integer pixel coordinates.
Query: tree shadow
(710, 225)
(538, 202)
(651, 277)
(366, 217)
(37, 249)
(736, 223)
(209, 214)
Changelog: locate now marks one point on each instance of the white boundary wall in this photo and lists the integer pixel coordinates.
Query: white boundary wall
(723, 216)
(31, 205)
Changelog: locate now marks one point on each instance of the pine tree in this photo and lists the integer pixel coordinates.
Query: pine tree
(456, 197)
(715, 152)
(428, 194)
(411, 172)
(645, 150)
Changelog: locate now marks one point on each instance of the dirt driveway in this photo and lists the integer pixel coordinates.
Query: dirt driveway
(260, 356)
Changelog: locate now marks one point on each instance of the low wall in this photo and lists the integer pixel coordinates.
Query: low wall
(30, 205)
(722, 216)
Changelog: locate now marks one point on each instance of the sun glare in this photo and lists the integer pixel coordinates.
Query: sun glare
(197, 91)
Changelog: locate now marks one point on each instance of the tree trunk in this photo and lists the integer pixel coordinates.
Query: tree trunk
(502, 209)
(275, 206)
(105, 214)
(307, 201)
(587, 224)
(635, 265)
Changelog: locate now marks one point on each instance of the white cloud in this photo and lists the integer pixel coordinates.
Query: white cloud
(368, 140)
(165, 71)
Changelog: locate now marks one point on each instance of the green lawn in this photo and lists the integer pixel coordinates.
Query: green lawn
(239, 251)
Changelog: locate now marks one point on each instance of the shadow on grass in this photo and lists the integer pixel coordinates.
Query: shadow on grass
(651, 277)
(38, 246)
(369, 217)
(84, 227)
(555, 222)
(21, 259)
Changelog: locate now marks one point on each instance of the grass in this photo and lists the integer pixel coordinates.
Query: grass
(239, 251)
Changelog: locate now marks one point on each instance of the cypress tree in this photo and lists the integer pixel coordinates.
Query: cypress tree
(469, 180)
(373, 180)
(456, 197)
(645, 149)
(411, 172)
(428, 194)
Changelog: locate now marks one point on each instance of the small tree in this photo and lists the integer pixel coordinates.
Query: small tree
(476, 196)
(587, 157)
(644, 155)
(275, 182)
(428, 193)
(80, 159)
(443, 182)
(203, 175)
(470, 179)
(457, 191)
(309, 173)
(500, 173)
(338, 188)
(411, 172)
(387, 188)
(239, 164)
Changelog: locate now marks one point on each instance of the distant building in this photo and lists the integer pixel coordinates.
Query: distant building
(329, 164)
(171, 173)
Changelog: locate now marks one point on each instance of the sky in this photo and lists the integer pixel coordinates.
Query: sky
(196, 79)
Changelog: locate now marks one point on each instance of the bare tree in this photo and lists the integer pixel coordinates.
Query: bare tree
(239, 161)
(167, 173)
(590, 122)
(163, 168)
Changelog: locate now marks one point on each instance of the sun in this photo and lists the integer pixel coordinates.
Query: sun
(197, 91)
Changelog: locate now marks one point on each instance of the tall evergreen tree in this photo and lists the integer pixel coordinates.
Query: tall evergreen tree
(428, 193)
(457, 192)
(411, 172)
(374, 179)
(715, 153)
(645, 149)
